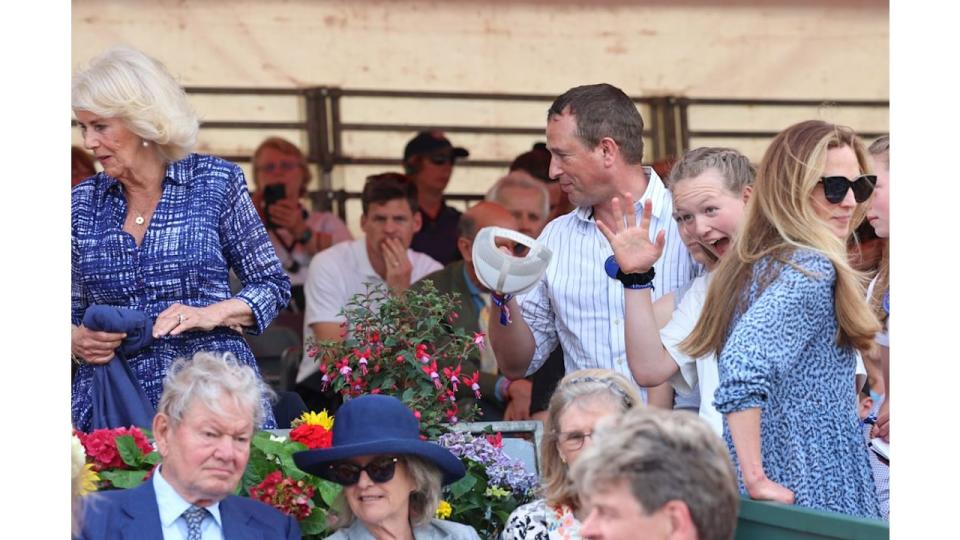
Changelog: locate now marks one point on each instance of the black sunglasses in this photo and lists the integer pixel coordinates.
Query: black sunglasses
(441, 159)
(379, 470)
(835, 187)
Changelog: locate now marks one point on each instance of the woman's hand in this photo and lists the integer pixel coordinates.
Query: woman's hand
(179, 318)
(631, 243)
(94, 347)
(765, 489)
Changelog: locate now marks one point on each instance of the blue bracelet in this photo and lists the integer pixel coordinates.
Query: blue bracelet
(501, 301)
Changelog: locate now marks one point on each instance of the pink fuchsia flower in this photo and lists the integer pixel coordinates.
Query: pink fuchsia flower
(399, 358)
(496, 440)
(453, 375)
(344, 368)
(422, 355)
(451, 413)
(431, 370)
(474, 382)
(479, 340)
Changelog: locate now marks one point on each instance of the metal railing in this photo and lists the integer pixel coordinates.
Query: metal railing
(668, 120)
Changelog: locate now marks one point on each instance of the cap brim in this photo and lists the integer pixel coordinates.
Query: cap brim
(315, 461)
(460, 152)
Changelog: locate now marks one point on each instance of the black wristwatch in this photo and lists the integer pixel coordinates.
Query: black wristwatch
(306, 236)
(637, 281)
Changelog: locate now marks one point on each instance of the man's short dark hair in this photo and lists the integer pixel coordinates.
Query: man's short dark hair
(386, 187)
(603, 110)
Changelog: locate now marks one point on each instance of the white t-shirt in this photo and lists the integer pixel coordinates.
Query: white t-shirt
(336, 274)
(693, 371)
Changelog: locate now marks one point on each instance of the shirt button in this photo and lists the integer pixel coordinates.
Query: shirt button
(616, 322)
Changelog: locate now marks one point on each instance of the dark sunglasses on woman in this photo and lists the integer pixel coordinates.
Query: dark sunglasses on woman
(835, 187)
(379, 470)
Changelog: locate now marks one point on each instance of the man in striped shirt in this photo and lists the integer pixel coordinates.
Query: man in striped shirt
(595, 139)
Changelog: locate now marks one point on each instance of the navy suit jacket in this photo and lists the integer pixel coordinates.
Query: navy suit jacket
(133, 514)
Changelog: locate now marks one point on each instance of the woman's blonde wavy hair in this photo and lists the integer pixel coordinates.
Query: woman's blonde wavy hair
(780, 218)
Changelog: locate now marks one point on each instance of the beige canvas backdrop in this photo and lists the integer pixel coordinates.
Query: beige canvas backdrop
(742, 49)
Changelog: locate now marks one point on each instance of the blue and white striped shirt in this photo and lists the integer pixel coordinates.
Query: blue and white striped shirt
(577, 305)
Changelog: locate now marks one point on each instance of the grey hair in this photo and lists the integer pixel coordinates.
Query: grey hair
(734, 167)
(585, 384)
(522, 180)
(665, 456)
(424, 499)
(123, 82)
(206, 378)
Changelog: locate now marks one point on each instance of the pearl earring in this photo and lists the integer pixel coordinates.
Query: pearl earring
(145, 144)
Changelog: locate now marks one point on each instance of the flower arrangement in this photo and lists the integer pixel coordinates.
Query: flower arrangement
(273, 478)
(121, 457)
(493, 487)
(84, 478)
(404, 345)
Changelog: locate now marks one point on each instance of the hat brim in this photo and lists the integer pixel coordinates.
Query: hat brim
(315, 461)
(460, 152)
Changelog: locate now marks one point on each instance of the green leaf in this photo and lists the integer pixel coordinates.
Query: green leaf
(124, 479)
(464, 485)
(152, 458)
(316, 522)
(328, 491)
(129, 451)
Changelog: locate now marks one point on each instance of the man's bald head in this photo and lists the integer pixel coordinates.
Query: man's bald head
(485, 214)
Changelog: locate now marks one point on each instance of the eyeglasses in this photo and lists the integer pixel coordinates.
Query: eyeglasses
(283, 165)
(573, 440)
(441, 159)
(379, 470)
(835, 187)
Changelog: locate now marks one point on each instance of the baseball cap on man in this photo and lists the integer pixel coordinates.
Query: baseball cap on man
(428, 142)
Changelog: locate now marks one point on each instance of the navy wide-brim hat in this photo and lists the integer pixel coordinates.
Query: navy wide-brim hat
(373, 425)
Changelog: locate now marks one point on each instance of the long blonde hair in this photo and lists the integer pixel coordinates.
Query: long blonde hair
(780, 218)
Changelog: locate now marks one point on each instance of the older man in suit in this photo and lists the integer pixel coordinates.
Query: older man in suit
(203, 428)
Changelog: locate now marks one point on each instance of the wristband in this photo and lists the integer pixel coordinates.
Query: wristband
(642, 280)
(501, 301)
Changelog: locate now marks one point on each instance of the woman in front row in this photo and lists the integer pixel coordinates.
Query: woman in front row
(581, 400)
(391, 479)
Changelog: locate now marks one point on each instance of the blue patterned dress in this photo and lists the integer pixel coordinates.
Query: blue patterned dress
(782, 357)
(204, 225)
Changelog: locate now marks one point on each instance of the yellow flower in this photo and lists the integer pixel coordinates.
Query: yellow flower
(313, 419)
(87, 482)
(444, 510)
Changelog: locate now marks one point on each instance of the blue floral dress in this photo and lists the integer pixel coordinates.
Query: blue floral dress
(782, 357)
(204, 225)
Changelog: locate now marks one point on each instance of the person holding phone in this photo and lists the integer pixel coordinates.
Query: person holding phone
(281, 175)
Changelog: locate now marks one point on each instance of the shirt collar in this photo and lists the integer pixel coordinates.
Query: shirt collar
(655, 191)
(172, 505)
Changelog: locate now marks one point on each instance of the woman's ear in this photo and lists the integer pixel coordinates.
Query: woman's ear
(745, 193)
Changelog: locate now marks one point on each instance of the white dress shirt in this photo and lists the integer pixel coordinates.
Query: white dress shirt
(577, 305)
(172, 506)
